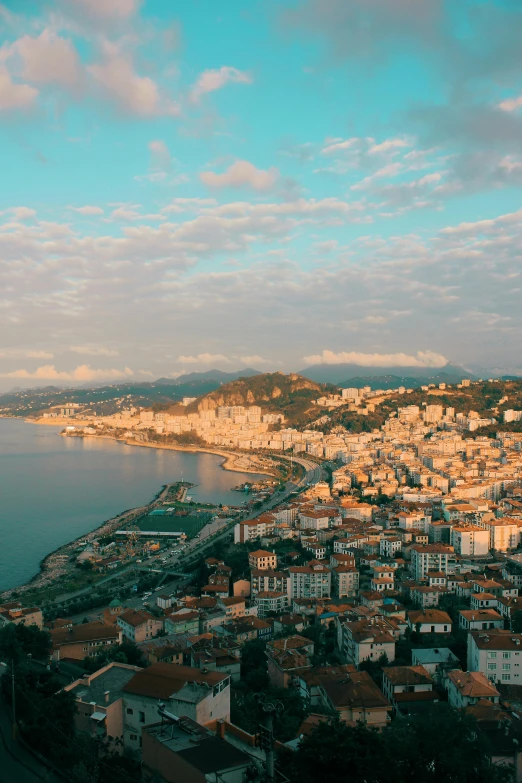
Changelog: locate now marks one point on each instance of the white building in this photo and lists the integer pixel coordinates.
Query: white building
(497, 654)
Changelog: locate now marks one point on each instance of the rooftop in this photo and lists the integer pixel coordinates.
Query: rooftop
(163, 680)
(198, 747)
(105, 686)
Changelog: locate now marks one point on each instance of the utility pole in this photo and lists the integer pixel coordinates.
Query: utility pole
(13, 701)
(265, 737)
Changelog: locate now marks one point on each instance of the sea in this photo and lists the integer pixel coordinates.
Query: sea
(55, 489)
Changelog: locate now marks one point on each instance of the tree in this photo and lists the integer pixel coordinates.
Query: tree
(18, 640)
(441, 745)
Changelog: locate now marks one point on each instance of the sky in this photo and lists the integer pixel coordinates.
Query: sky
(263, 183)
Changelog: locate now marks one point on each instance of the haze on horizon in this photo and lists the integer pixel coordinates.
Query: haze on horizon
(264, 183)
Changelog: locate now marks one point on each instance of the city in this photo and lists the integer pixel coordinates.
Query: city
(260, 391)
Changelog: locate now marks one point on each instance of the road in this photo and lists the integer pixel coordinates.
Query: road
(222, 529)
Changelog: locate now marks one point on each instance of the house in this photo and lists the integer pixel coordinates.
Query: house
(170, 648)
(84, 640)
(465, 689)
(287, 658)
(354, 697)
(479, 619)
(181, 751)
(429, 621)
(137, 626)
(437, 661)
(408, 688)
(262, 560)
(99, 700)
(497, 654)
(200, 695)
(15, 613)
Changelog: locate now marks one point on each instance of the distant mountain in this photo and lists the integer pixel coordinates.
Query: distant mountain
(406, 376)
(209, 375)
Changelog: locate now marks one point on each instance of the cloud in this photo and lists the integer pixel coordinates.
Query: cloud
(88, 209)
(421, 359)
(212, 80)
(93, 350)
(48, 59)
(253, 360)
(13, 353)
(511, 104)
(82, 373)
(241, 174)
(390, 145)
(339, 145)
(15, 96)
(22, 213)
(204, 358)
(133, 94)
(106, 9)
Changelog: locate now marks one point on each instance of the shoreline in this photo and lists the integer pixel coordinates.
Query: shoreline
(53, 566)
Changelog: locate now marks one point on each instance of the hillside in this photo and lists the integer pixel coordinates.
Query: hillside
(489, 400)
(289, 394)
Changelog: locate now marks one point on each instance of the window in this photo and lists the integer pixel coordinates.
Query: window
(506, 677)
(506, 655)
(506, 666)
(492, 655)
(492, 666)
(130, 711)
(142, 717)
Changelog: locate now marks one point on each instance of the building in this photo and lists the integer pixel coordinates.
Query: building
(271, 601)
(262, 560)
(365, 640)
(138, 626)
(99, 700)
(354, 697)
(408, 688)
(185, 620)
(264, 581)
(287, 659)
(195, 693)
(15, 613)
(437, 661)
(345, 581)
(181, 751)
(84, 640)
(479, 619)
(431, 557)
(470, 540)
(465, 689)
(311, 581)
(429, 621)
(497, 654)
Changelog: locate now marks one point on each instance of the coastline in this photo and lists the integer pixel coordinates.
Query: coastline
(235, 461)
(54, 565)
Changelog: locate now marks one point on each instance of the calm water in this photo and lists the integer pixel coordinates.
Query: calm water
(53, 489)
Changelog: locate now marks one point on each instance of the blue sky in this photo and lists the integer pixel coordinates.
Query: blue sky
(268, 183)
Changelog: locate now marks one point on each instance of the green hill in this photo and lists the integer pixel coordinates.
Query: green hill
(290, 395)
